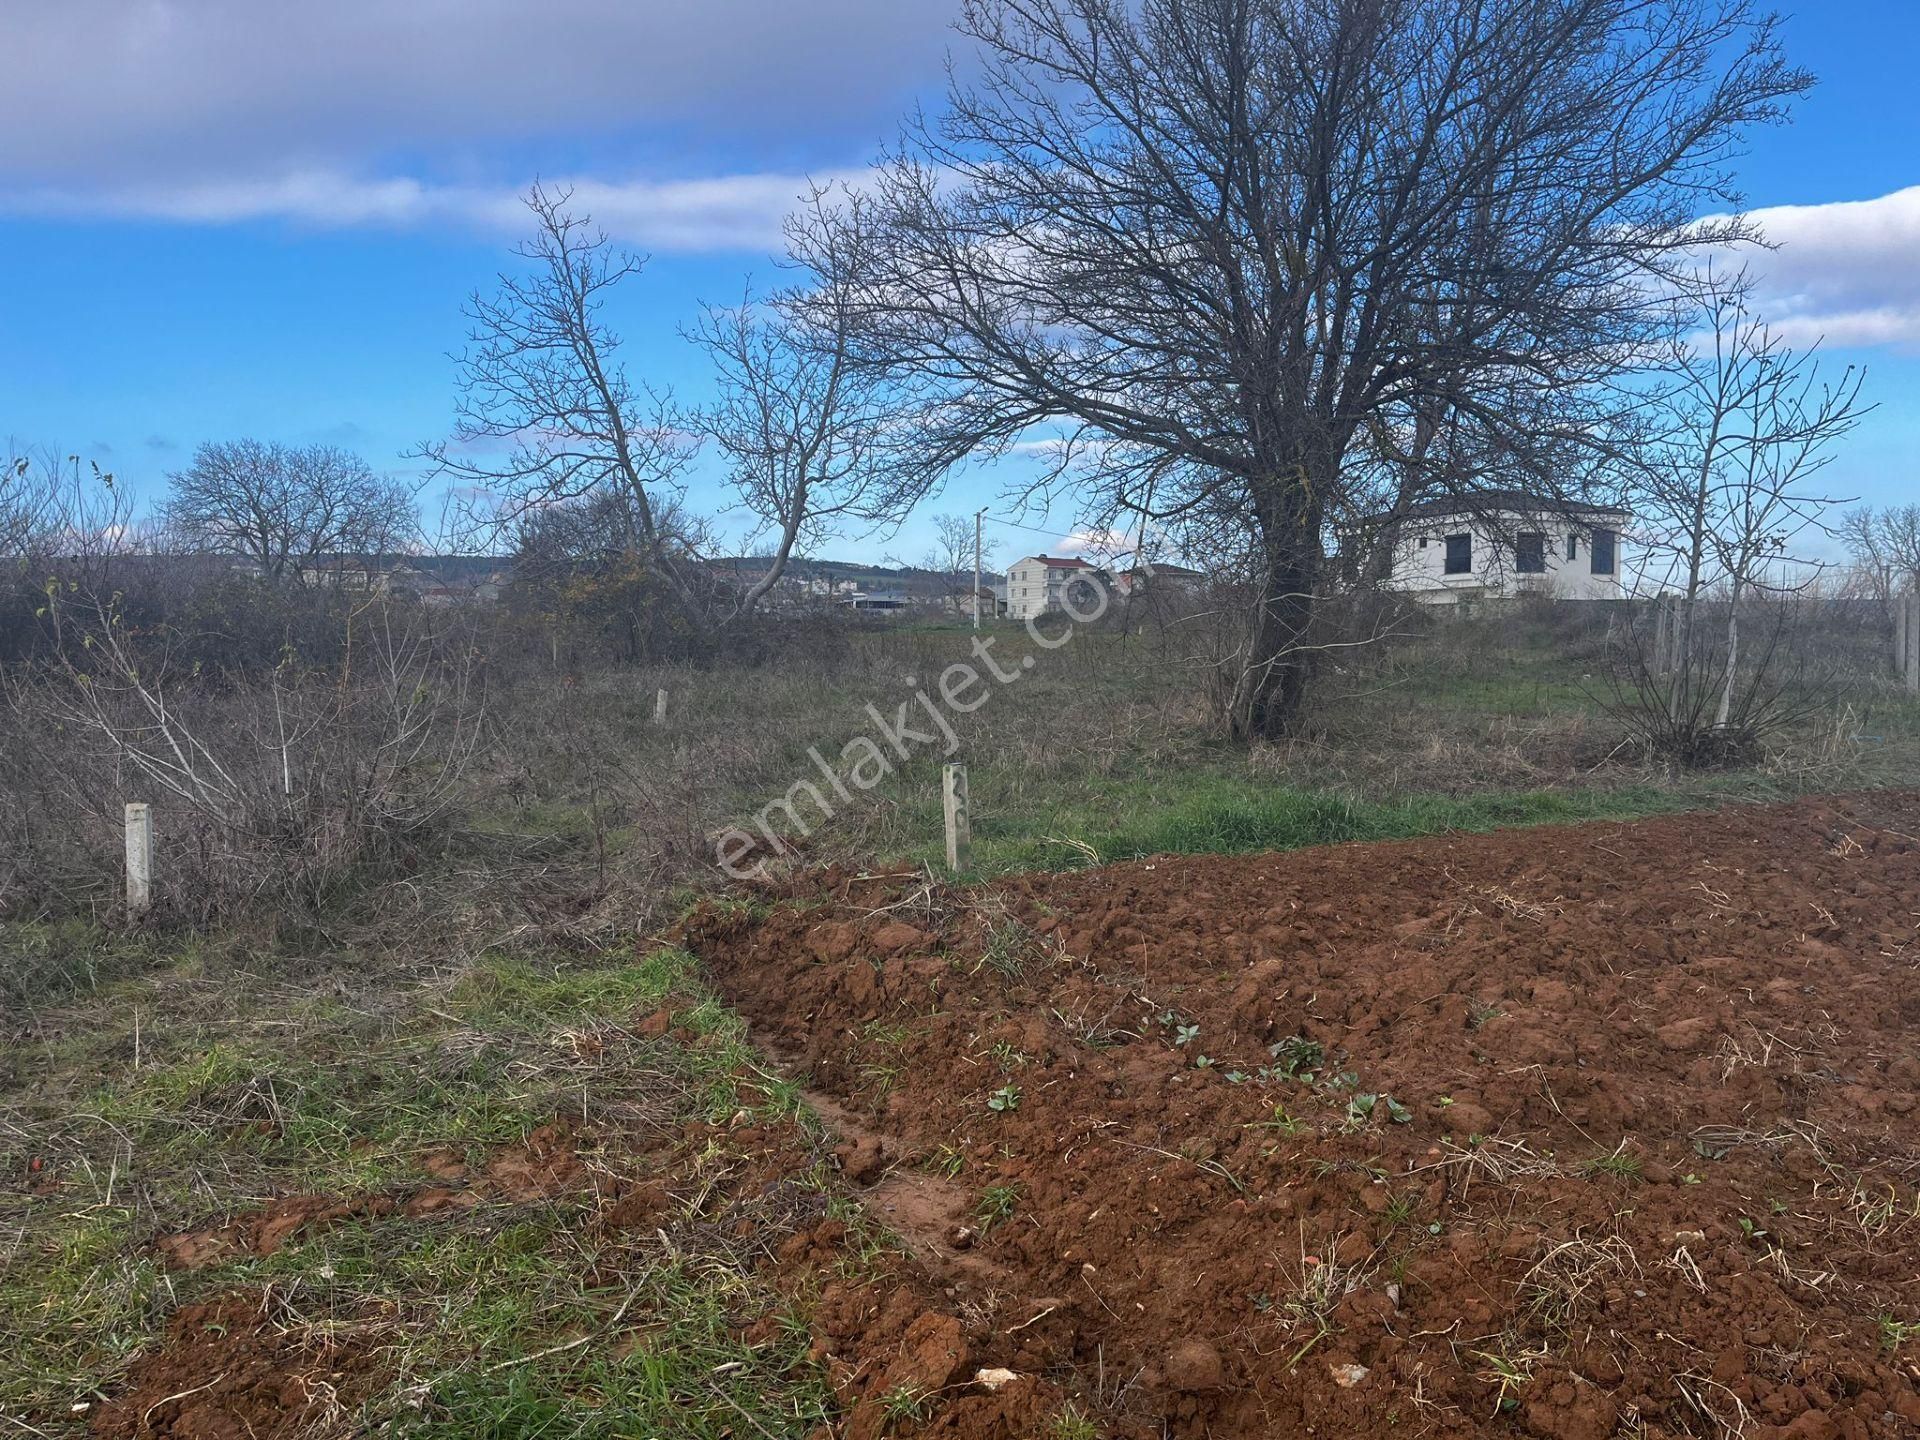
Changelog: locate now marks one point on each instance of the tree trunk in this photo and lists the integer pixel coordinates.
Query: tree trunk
(1270, 688)
(1733, 661)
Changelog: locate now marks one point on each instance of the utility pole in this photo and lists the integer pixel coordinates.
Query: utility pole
(978, 517)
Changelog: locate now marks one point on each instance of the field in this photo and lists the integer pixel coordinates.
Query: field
(1572, 1132)
(544, 1129)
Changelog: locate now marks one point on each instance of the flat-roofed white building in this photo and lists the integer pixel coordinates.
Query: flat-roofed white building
(1502, 546)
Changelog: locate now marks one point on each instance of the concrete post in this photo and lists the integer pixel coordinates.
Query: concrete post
(660, 708)
(139, 859)
(959, 823)
(1913, 643)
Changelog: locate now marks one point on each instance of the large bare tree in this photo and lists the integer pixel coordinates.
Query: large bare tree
(286, 508)
(1230, 246)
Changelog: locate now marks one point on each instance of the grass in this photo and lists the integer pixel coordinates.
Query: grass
(249, 1086)
(1621, 1164)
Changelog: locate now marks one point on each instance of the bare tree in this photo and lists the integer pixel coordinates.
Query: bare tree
(1226, 242)
(288, 509)
(28, 518)
(546, 413)
(1742, 427)
(809, 436)
(952, 557)
(1885, 545)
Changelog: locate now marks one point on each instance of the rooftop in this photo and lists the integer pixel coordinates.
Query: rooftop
(1492, 502)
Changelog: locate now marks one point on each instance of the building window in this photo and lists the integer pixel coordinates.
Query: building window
(1573, 547)
(1423, 542)
(1530, 553)
(1600, 552)
(1459, 555)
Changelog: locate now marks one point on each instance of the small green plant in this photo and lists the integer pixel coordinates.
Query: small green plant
(1400, 1209)
(1072, 1424)
(1009, 946)
(1750, 1231)
(1510, 1374)
(904, 1402)
(1281, 1121)
(1297, 1058)
(1006, 1056)
(1622, 1164)
(1481, 1013)
(947, 1161)
(997, 1204)
(1185, 1034)
(1004, 1100)
(1361, 1109)
(1895, 1333)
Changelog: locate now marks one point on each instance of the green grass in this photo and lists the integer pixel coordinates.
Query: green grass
(249, 1087)
(1217, 813)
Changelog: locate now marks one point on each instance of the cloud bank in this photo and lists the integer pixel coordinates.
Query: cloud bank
(114, 91)
(685, 127)
(1848, 272)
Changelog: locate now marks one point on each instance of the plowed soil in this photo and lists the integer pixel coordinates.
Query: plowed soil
(1572, 1132)
(242, 1366)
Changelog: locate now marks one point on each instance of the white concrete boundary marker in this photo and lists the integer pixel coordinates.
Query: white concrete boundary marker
(959, 824)
(139, 859)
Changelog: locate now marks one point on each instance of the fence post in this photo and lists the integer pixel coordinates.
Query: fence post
(959, 826)
(1660, 635)
(1913, 643)
(660, 708)
(1900, 608)
(139, 859)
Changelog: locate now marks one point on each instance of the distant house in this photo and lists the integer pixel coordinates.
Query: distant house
(1157, 576)
(989, 600)
(1507, 545)
(877, 600)
(1041, 583)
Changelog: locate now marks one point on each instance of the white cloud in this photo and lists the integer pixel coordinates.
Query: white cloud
(1848, 272)
(103, 91)
(437, 112)
(732, 212)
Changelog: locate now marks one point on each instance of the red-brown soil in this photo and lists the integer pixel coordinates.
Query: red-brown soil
(1648, 1168)
(238, 1367)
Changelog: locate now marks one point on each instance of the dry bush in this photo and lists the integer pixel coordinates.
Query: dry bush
(1668, 693)
(276, 790)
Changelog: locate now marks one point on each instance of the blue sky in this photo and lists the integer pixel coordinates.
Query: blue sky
(224, 217)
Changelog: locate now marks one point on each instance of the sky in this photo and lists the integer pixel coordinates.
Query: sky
(224, 218)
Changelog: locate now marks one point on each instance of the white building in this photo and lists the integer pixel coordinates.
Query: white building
(1508, 545)
(1041, 583)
